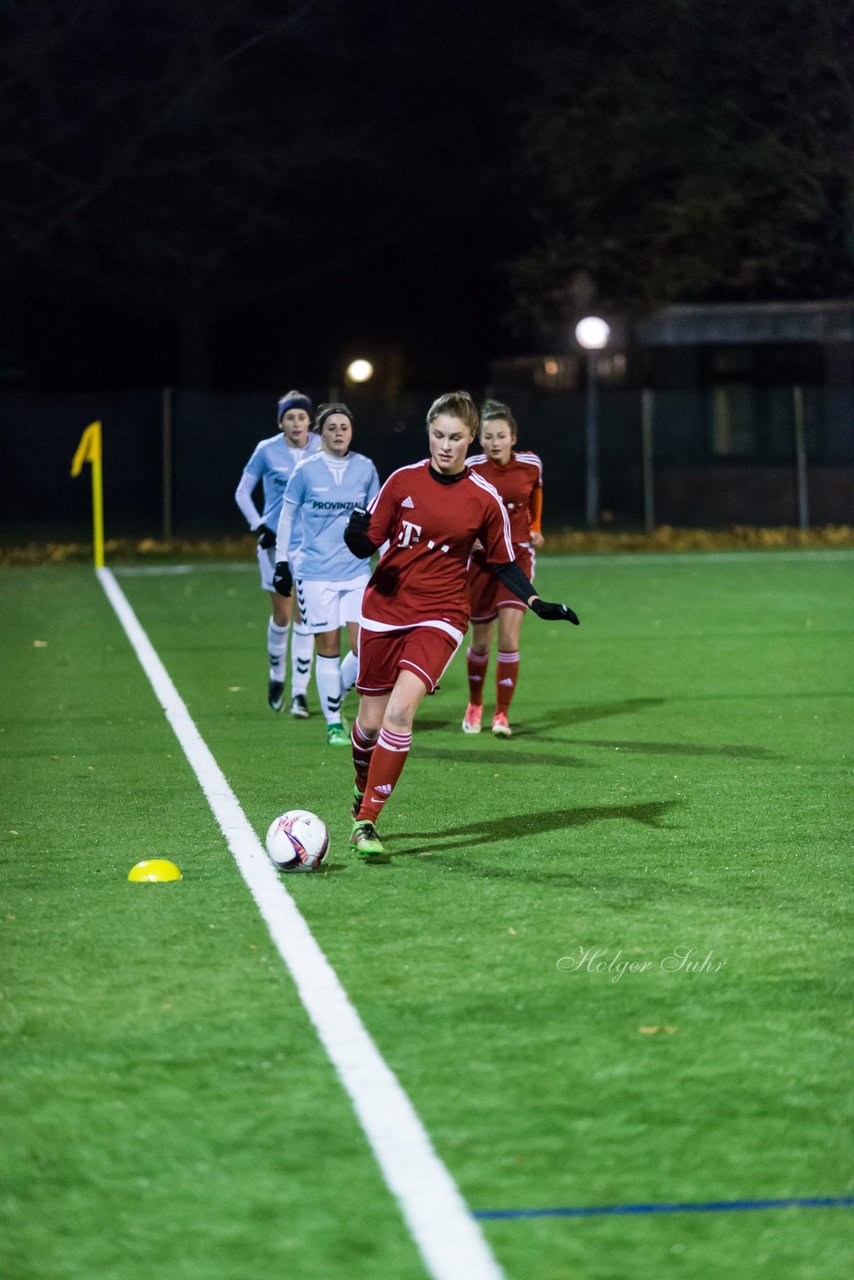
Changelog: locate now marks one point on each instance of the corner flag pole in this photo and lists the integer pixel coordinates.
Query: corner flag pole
(89, 450)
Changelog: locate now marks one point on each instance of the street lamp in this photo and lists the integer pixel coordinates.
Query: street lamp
(592, 334)
(359, 371)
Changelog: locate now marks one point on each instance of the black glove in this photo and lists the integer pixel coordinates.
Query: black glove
(359, 521)
(554, 612)
(266, 537)
(356, 534)
(283, 579)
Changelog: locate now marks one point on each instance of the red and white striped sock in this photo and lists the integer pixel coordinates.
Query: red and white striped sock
(363, 748)
(476, 664)
(506, 675)
(387, 763)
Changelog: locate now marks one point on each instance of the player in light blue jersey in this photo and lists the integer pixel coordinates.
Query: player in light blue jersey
(330, 580)
(271, 465)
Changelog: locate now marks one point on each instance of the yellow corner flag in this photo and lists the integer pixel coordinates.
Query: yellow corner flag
(89, 450)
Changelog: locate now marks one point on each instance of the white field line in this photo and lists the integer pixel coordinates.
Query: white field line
(449, 1239)
(748, 556)
(172, 570)
(604, 558)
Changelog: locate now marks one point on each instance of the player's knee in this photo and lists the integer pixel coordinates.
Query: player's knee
(399, 715)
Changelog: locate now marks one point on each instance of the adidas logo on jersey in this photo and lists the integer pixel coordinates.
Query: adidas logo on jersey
(407, 502)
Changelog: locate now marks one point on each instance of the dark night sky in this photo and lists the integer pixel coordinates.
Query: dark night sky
(333, 179)
(245, 193)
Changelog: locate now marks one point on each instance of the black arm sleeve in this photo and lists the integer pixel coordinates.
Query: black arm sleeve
(514, 580)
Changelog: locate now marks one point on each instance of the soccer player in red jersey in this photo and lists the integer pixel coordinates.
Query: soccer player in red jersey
(416, 606)
(518, 478)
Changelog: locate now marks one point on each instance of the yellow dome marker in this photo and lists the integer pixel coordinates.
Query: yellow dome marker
(154, 871)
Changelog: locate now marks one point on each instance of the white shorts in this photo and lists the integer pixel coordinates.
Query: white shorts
(267, 565)
(326, 606)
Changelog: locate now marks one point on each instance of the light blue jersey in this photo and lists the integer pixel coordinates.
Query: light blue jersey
(272, 463)
(321, 493)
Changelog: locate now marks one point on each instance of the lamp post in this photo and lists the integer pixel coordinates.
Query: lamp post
(592, 334)
(359, 371)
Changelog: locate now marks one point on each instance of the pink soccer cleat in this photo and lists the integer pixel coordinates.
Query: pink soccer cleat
(472, 718)
(501, 725)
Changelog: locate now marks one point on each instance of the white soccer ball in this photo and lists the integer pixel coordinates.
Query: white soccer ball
(297, 840)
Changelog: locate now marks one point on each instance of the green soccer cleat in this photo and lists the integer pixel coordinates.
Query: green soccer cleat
(366, 842)
(336, 735)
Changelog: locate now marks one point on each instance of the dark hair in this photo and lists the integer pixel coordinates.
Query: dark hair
(456, 404)
(492, 409)
(326, 411)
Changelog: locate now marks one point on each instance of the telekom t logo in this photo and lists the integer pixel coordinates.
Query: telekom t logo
(409, 533)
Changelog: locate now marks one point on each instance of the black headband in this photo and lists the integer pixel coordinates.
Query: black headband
(327, 412)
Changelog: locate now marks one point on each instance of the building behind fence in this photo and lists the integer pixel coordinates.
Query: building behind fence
(711, 417)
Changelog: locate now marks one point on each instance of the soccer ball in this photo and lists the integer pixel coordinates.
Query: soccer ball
(297, 840)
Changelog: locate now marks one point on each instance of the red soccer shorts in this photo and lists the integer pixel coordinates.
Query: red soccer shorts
(384, 654)
(488, 593)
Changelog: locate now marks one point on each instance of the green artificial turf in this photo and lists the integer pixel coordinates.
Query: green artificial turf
(678, 784)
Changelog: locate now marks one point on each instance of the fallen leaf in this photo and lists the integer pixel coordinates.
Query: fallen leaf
(40, 644)
(513, 931)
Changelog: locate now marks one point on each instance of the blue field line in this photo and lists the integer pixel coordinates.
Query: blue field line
(708, 1206)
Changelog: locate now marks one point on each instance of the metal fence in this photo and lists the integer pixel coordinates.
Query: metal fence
(172, 459)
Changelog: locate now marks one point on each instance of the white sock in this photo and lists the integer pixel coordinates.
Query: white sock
(349, 671)
(302, 652)
(328, 677)
(277, 649)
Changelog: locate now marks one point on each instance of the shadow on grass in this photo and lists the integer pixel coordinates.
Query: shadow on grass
(496, 753)
(563, 717)
(538, 732)
(446, 715)
(508, 753)
(681, 749)
(582, 715)
(501, 830)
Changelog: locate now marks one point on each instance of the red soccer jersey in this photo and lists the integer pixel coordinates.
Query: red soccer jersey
(518, 482)
(430, 527)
